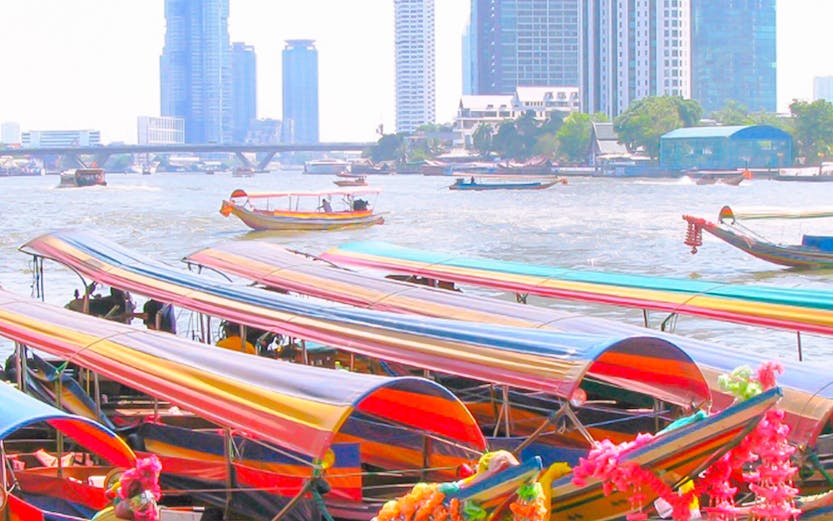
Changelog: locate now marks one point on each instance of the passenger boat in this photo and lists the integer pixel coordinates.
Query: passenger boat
(502, 183)
(326, 210)
(47, 477)
(814, 252)
(534, 362)
(732, 180)
(275, 267)
(288, 426)
(778, 307)
(83, 177)
(325, 166)
(242, 171)
(358, 180)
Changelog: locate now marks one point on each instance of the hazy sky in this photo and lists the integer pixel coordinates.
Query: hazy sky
(69, 64)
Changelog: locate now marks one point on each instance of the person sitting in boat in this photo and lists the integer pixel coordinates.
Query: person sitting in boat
(231, 339)
(158, 316)
(471, 180)
(326, 206)
(359, 205)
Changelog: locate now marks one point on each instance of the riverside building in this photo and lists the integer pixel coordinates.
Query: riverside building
(415, 64)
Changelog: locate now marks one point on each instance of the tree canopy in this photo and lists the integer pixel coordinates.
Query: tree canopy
(646, 120)
(574, 135)
(813, 128)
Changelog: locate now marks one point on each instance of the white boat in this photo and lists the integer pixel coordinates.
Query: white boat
(325, 166)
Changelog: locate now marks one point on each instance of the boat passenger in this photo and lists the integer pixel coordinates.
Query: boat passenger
(159, 316)
(231, 339)
(325, 204)
(359, 205)
(471, 180)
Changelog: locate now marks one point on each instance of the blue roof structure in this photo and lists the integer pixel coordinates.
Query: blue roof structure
(734, 131)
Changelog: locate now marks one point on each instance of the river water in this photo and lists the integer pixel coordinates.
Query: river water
(617, 225)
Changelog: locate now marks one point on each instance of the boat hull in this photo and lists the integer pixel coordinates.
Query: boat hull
(301, 220)
(794, 256)
(477, 187)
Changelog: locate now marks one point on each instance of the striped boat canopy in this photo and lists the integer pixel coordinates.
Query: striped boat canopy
(19, 410)
(808, 397)
(519, 357)
(293, 406)
(322, 193)
(786, 308)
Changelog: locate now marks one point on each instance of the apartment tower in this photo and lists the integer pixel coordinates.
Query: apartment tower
(243, 90)
(415, 67)
(631, 50)
(300, 92)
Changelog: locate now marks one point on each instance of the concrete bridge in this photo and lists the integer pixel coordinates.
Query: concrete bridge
(101, 153)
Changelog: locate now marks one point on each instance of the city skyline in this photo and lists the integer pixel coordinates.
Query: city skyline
(72, 68)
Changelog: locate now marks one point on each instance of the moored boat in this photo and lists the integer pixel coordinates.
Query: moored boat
(83, 177)
(814, 252)
(326, 210)
(325, 166)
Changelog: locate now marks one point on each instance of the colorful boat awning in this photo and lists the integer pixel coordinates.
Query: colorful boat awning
(296, 407)
(19, 410)
(786, 308)
(808, 397)
(520, 357)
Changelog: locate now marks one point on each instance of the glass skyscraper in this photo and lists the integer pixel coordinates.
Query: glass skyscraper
(733, 53)
(300, 92)
(243, 89)
(512, 43)
(195, 69)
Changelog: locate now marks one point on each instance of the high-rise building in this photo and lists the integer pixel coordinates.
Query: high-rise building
(10, 133)
(823, 88)
(156, 130)
(733, 53)
(195, 69)
(631, 50)
(415, 63)
(243, 90)
(300, 92)
(519, 43)
(60, 138)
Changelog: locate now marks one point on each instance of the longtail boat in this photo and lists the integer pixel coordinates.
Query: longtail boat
(527, 359)
(800, 310)
(516, 182)
(300, 416)
(814, 252)
(808, 395)
(37, 491)
(326, 210)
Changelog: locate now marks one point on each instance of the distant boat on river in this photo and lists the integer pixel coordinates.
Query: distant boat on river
(83, 177)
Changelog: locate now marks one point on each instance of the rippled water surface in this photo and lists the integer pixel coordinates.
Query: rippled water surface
(618, 225)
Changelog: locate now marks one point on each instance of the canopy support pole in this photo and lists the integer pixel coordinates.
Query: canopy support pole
(97, 390)
(37, 277)
(227, 442)
(21, 368)
(60, 438)
(551, 419)
(242, 338)
(798, 344)
(644, 317)
(292, 502)
(304, 354)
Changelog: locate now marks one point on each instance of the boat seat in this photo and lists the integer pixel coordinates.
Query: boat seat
(822, 242)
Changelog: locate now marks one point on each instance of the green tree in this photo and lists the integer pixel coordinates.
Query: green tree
(813, 128)
(482, 139)
(573, 138)
(649, 118)
(733, 113)
(506, 141)
(389, 147)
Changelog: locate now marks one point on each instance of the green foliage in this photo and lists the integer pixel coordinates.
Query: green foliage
(813, 128)
(649, 118)
(574, 135)
(482, 139)
(389, 147)
(733, 114)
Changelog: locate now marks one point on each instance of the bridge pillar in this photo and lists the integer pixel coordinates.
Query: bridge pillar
(245, 160)
(265, 161)
(75, 160)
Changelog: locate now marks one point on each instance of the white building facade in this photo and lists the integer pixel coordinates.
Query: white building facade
(631, 50)
(492, 110)
(60, 138)
(160, 130)
(415, 64)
